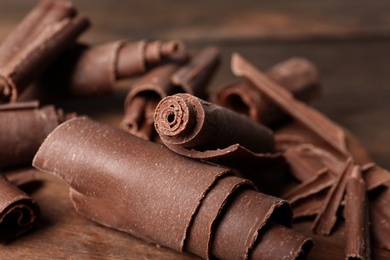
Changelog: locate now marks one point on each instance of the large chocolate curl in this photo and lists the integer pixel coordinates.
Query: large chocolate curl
(18, 211)
(43, 14)
(142, 188)
(23, 127)
(297, 75)
(199, 129)
(165, 80)
(90, 71)
(32, 60)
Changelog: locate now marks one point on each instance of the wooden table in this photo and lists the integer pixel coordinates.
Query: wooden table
(350, 43)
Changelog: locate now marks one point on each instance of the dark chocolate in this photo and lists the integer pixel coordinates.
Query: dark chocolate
(31, 61)
(140, 187)
(357, 217)
(23, 127)
(308, 116)
(18, 211)
(298, 75)
(202, 130)
(327, 216)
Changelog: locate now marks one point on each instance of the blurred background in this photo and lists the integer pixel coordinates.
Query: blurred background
(348, 41)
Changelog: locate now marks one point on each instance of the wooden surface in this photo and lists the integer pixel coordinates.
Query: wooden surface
(348, 41)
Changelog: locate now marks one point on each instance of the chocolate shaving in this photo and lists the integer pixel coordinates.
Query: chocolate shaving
(23, 127)
(312, 186)
(18, 211)
(310, 205)
(380, 225)
(311, 118)
(326, 218)
(356, 215)
(202, 130)
(144, 189)
(298, 75)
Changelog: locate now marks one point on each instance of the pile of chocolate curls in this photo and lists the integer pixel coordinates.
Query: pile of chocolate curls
(182, 170)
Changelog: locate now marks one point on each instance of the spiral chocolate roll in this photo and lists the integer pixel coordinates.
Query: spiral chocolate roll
(199, 129)
(142, 188)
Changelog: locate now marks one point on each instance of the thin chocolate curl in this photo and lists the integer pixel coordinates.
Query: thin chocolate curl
(18, 211)
(202, 130)
(298, 75)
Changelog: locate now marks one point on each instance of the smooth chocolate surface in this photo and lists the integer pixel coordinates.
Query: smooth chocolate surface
(199, 129)
(23, 127)
(18, 211)
(298, 75)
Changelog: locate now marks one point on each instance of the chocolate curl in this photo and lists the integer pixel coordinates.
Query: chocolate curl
(135, 58)
(142, 188)
(271, 239)
(202, 130)
(356, 215)
(127, 183)
(34, 59)
(143, 98)
(43, 14)
(310, 205)
(202, 229)
(18, 211)
(89, 71)
(195, 75)
(297, 75)
(23, 127)
(239, 227)
(312, 119)
(326, 218)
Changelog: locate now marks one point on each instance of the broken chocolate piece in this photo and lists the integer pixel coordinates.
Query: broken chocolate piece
(23, 127)
(356, 216)
(298, 75)
(202, 130)
(38, 55)
(18, 211)
(311, 118)
(326, 218)
(144, 189)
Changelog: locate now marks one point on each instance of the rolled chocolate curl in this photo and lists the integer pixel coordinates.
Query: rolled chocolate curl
(18, 211)
(144, 189)
(202, 130)
(297, 75)
(23, 127)
(38, 55)
(143, 98)
(90, 71)
(43, 14)
(357, 217)
(195, 75)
